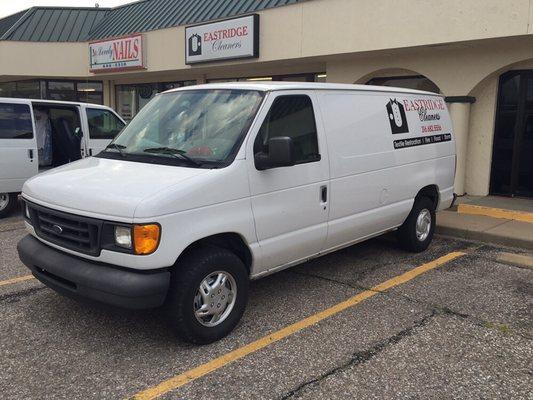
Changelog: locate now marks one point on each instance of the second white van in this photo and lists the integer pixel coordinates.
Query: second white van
(37, 135)
(213, 185)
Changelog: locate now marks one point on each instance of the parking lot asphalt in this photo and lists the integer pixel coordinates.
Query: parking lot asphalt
(463, 329)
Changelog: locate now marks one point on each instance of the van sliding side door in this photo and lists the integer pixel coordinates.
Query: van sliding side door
(18, 145)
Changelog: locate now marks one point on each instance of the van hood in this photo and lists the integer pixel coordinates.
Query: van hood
(104, 187)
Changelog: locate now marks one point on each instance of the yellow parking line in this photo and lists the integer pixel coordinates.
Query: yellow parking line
(219, 362)
(495, 212)
(16, 280)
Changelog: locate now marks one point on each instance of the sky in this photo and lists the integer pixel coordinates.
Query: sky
(8, 7)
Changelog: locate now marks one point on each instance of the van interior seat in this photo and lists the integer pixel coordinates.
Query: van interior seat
(66, 144)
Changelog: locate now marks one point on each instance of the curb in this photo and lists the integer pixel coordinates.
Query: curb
(492, 212)
(484, 237)
(519, 260)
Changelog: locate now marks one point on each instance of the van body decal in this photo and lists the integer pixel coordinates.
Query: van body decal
(419, 141)
(397, 117)
(428, 111)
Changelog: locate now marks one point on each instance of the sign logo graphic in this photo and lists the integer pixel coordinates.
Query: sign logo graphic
(121, 54)
(222, 40)
(195, 45)
(397, 117)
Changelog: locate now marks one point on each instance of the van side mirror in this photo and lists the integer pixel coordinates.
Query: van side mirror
(280, 154)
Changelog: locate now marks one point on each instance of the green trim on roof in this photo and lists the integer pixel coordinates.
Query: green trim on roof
(74, 24)
(8, 22)
(54, 24)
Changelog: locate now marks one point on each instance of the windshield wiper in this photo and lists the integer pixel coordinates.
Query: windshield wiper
(118, 147)
(173, 152)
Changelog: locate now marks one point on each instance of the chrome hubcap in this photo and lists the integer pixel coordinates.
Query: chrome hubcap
(215, 298)
(4, 201)
(423, 224)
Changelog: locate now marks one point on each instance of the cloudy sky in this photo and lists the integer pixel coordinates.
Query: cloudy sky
(8, 7)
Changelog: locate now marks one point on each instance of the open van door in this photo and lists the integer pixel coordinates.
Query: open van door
(18, 145)
(103, 126)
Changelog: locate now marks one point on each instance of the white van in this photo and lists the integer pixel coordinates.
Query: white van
(213, 185)
(36, 135)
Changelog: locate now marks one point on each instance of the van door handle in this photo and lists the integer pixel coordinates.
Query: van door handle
(324, 194)
(30, 154)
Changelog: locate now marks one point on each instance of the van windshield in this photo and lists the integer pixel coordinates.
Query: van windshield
(193, 128)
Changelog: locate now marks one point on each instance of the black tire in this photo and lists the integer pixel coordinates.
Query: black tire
(187, 276)
(407, 233)
(6, 209)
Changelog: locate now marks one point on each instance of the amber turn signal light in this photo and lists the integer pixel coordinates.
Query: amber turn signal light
(146, 238)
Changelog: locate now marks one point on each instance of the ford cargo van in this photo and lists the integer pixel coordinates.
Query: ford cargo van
(37, 135)
(213, 185)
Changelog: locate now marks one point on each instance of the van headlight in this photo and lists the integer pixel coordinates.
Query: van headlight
(140, 239)
(123, 237)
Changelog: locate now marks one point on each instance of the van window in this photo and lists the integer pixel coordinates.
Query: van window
(206, 125)
(103, 124)
(291, 116)
(15, 121)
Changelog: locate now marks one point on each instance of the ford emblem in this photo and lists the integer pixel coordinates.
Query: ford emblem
(57, 229)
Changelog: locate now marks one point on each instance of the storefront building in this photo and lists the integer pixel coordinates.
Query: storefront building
(478, 54)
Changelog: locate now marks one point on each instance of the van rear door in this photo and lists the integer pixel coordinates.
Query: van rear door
(18, 145)
(103, 125)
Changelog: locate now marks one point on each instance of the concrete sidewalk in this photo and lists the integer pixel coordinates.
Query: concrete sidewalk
(502, 221)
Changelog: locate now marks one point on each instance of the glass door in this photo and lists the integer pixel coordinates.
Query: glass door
(524, 170)
(512, 157)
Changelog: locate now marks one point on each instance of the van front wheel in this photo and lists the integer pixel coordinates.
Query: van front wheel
(417, 231)
(7, 203)
(207, 295)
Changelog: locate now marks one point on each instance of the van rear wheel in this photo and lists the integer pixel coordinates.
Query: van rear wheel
(207, 295)
(417, 231)
(7, 203)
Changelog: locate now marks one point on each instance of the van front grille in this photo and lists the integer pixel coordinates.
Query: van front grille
(66, 230)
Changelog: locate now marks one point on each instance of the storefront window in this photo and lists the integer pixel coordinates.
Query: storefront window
(87, 92)
(67, 86)
(29, 89)
(297, 78)
(132, 98)
(90, 87)
(222, 80)
(90, 92)
(418, 82)
(6, 89)
(258, 79)
(318, 77)
(22, 89)
(63, 91)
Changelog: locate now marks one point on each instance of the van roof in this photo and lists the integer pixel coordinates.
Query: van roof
(275, 86)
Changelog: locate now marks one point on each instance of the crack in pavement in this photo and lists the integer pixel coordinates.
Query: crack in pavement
(363, 356)
(428, 306)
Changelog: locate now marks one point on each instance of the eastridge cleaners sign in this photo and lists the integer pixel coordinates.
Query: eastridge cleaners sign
(121, 54)
(223, 40)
